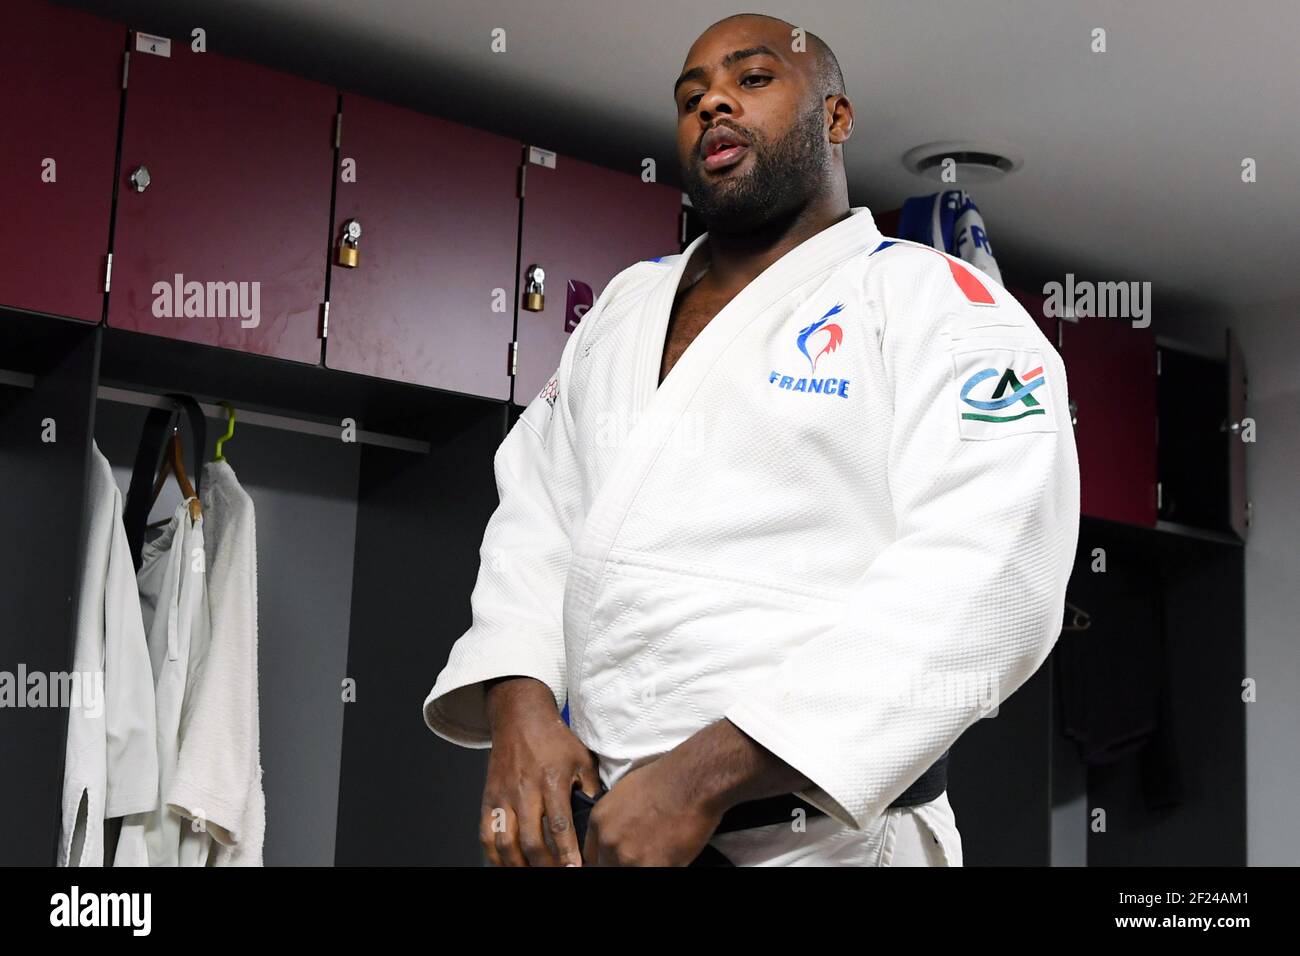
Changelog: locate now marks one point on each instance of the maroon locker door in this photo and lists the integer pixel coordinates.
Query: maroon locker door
(585, 224)
(887, 222)
(239, 159)
(1112, 378)
(439, 218)
(1033, 303)
(63, 79)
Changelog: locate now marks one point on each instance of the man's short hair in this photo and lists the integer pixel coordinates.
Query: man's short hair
(830, 78)
(829, 74)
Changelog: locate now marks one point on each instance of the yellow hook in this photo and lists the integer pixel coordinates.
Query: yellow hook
(230, 430)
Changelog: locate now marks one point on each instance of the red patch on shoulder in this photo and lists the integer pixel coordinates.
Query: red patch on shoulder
(970, 286)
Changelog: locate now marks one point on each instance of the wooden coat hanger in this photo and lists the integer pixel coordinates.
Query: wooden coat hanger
(173, 463)
(159, 453)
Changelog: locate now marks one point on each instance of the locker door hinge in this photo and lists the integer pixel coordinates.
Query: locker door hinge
(1160, 495)
(682, 238)
(108, 272)
(325, 319)
(514, 358)
(1157, 361)
(523, 176)
(1060, 335)
(338, 129)
(126, 67)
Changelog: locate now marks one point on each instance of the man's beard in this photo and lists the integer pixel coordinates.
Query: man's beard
(785, 174)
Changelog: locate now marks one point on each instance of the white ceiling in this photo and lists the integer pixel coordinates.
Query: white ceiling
(1131, 157)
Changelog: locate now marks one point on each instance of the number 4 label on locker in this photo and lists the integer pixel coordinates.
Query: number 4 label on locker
(148, 43)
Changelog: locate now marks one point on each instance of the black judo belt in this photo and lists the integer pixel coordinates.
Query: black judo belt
(771, 810)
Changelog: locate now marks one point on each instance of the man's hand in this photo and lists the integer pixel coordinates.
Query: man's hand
(649, 819)
(662, 814)
(534, 763)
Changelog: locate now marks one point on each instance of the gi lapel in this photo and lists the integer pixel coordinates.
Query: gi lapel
(653, 327)
(657, 408)
(820, 253)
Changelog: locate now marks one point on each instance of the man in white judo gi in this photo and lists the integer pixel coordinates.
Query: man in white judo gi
(797, 508)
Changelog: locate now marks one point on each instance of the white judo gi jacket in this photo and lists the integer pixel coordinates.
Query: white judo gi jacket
(218, 776)
(845, 521)
(111, 762)
(174, 606)
(198, 591)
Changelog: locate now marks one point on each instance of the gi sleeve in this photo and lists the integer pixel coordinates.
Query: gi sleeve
(517, 601)
(131, 729)
(216, 771)
(966, 601)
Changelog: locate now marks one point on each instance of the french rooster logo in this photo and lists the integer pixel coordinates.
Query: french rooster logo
(821, 325)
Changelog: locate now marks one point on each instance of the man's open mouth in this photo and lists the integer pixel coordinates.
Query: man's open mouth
(722, 148)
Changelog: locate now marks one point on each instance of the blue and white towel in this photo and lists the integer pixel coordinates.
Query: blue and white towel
(951, 222)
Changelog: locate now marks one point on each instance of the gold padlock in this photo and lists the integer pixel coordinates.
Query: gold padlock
(535, 289)
(348, 251)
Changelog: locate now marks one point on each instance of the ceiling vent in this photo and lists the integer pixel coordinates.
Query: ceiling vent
(975, 162)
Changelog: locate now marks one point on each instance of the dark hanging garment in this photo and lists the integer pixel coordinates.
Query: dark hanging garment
(1113, 676)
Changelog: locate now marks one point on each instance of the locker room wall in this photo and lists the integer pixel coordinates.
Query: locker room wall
(42, 487)
(304, 490)
(406, 796)
(1270, 338)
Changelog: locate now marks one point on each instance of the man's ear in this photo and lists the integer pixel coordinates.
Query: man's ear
(841, 115)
